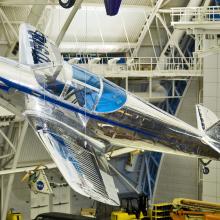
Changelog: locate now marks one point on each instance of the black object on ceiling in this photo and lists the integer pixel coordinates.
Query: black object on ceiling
(111, 6)
(67, 3)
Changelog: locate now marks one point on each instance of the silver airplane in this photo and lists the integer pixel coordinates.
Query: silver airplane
(80, 117)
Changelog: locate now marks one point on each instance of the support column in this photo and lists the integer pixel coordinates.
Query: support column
(68, 21)
(14, 165)
(211, 100)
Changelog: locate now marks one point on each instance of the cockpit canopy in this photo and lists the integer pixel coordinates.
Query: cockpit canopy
(87, 90)
(98, 94)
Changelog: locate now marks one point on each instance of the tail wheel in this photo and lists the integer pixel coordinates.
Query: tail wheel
(67, 3)
(205, 170)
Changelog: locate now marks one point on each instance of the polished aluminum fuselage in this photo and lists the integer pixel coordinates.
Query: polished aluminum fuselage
(136, 124)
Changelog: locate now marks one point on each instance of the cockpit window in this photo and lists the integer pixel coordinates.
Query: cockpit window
(112, 98)
(53, 86)
(86, 77)
(99, 94)
(86, 90)
(81, 95)
(87, 98)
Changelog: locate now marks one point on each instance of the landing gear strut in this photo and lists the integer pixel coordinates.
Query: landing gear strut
(205, 169)
(67, 3)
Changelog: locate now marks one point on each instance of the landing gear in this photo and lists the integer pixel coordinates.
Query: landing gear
(67, 3)
(205, 169)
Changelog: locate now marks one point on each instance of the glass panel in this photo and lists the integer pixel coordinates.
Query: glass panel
(81, 95)
(54, 87)
(112, 98)
(87, 98)
(86, 77)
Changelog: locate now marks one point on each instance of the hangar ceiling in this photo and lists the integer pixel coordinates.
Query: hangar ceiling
(90, 30)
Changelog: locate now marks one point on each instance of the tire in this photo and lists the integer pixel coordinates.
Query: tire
(67, 3)
(205, 170)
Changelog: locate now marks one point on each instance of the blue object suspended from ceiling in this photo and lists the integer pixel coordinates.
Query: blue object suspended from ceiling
(112, 6)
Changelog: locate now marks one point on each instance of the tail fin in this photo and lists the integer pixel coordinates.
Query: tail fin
(205, 118)
(209, 123)
(214, 132)
(36, 48)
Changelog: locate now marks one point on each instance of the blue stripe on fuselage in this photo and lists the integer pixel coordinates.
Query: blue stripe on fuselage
(5, 88)
(65, 105)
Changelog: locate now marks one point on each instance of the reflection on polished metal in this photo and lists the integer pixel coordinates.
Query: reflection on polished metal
(80, 117)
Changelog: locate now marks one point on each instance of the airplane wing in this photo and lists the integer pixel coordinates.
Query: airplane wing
(75, 158)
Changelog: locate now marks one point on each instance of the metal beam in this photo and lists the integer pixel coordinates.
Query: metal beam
(26, 169)
(119, 152)
(35, 14)
(5, 29)
(176, 44)
(5, 104)
(165, 3)
(19, 3)
(142, 174)
(157, 179)
(76, 46)
(148, 175)
(33, 18)
(14, 165)
(207, 3)
(9, 23)
(6, 152)
(27, 2)
(123, 178)
(159, 34)
(178, 34)
(7, 140)
(146, 26)
(68, 21)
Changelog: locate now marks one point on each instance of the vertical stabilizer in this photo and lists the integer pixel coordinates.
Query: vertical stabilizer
(36, 48)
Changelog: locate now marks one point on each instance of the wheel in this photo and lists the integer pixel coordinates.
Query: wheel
(67, 3)
(205, 170)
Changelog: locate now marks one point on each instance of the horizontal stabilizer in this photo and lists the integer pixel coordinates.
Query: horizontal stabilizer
(205, 117)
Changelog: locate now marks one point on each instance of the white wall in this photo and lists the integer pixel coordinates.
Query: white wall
(22, 199)
(178, 179)
(179, 175)
(187, 111)
(211, 99)
(20, 196)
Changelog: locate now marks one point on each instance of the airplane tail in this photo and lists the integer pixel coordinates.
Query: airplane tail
(36, 48)
(208, 123)
(205, 118)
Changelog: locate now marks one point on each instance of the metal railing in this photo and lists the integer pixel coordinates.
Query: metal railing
(195, 14)
(138, 64)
